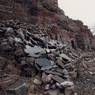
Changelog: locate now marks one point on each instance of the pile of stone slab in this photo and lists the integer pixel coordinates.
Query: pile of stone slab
(29, 53)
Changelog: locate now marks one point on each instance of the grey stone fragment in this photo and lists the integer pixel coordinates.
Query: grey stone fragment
(53, 92)
(34, 51)
(18, 40)
(53, 72)
(21, 34)
(65, 57)
(58, 79)
(44, 63)
(19, 88)
(37, 81)
(46, 78)
(67, 84)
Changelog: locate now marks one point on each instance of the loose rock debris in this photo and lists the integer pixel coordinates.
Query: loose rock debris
(42, 66)
(85, 82)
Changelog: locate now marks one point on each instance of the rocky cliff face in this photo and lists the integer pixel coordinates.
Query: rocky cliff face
(47, 14)
(37, 49)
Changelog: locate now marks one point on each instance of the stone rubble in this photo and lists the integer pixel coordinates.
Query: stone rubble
(46, 62)
(42, 50)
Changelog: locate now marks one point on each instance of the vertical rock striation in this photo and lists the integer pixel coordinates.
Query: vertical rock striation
(47, 14)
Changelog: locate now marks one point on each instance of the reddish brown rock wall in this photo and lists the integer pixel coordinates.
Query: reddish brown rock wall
(46, 12)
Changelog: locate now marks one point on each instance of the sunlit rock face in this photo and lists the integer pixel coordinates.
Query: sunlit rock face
(47, 14)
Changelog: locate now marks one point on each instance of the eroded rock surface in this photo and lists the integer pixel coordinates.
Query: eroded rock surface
(53, 19)
(28, 55)
(40, 48)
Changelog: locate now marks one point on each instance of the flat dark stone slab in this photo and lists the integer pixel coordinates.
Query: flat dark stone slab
(18, 88)
(44, 63)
